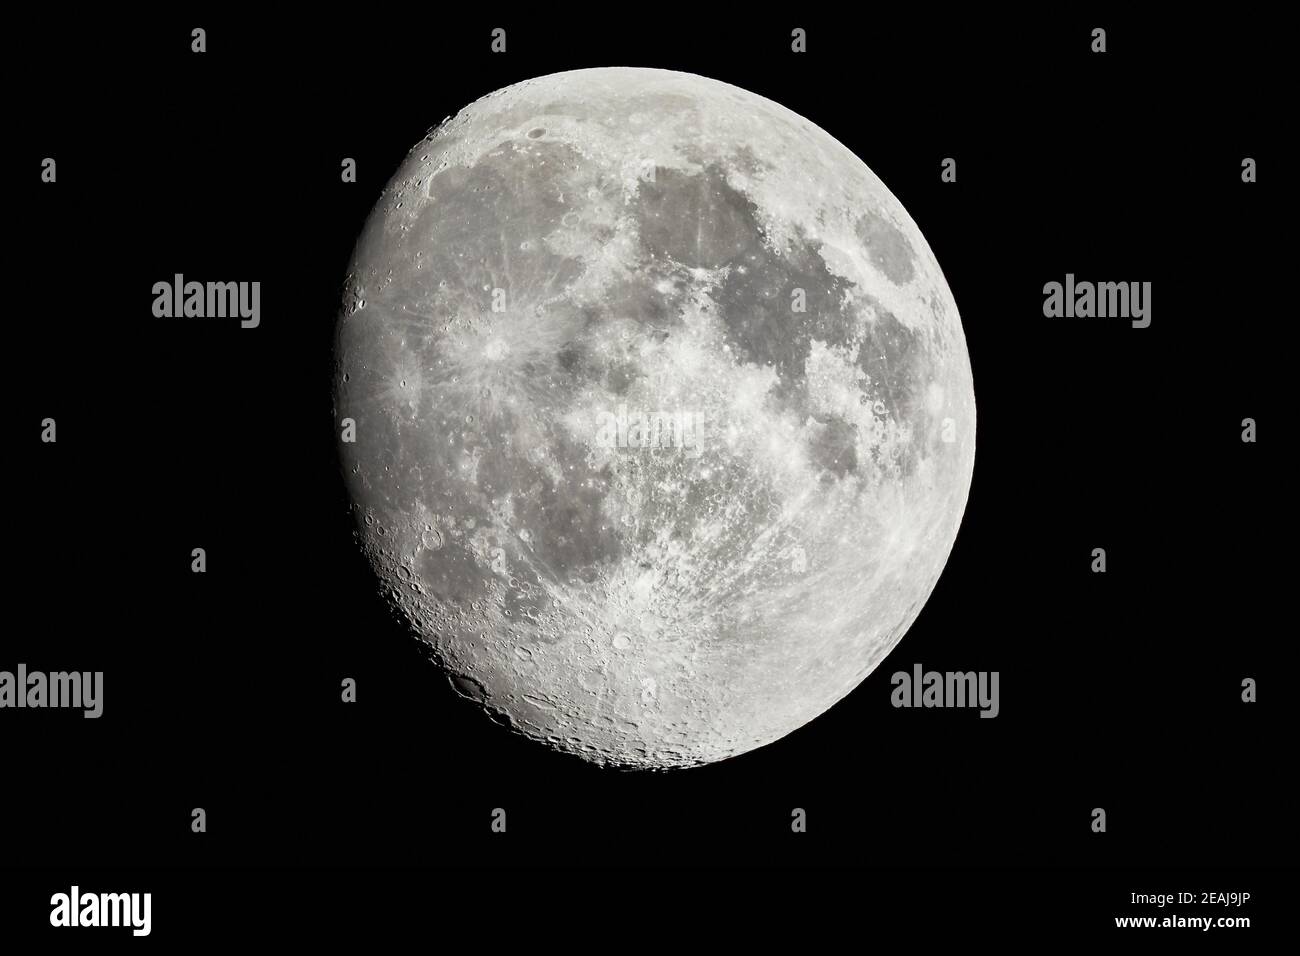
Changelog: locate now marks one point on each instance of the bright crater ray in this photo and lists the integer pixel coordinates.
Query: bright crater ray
(664, 420)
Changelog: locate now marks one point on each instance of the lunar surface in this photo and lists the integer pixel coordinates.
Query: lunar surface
(656, 413)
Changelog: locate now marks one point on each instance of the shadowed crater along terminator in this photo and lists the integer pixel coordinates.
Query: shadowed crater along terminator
(664, 420)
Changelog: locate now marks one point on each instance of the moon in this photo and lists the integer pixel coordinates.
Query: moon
(656, 413)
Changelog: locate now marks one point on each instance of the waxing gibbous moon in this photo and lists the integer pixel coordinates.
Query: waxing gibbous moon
(663, 418)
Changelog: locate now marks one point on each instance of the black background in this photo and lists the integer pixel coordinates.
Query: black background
(222, 690)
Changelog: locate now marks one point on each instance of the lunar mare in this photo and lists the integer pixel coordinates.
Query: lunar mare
(664, 418)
